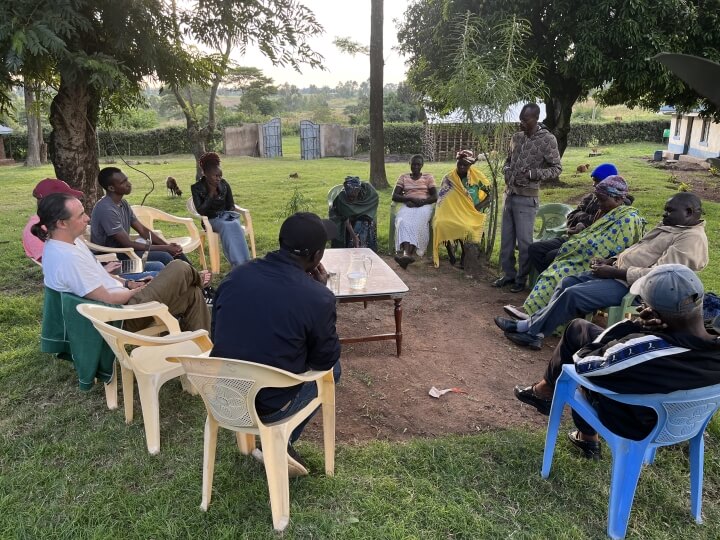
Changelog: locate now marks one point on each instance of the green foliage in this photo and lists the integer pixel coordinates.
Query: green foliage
(297, 202)
(616, 133)
(399, 138)
(579, 46)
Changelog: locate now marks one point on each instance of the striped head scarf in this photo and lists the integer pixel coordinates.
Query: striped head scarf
(466, 156)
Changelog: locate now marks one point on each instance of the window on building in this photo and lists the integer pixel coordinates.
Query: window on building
(678, 122)
(705, 133)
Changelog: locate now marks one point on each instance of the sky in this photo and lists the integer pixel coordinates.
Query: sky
(340, 18)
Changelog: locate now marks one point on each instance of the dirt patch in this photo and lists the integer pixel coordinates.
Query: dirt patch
(449, 340)
(698, 180)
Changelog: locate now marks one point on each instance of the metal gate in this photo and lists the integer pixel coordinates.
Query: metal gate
(309, 140)
(272, 139)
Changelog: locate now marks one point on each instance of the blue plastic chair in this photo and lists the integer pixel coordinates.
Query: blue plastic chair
(682, 416)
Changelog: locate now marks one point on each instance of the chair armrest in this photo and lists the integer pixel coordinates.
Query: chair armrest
(245, 213)
(569, 372)
(130, 252)
(200, 337)
(155, 214)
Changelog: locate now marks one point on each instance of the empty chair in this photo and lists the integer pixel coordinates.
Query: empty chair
(682, 415)
(146, 362)
(213, 239)
(228, 388)
(552, 221)
(147, 215)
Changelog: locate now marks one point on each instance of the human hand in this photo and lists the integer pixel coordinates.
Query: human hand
(649, 319)
(356, 241)
(576, 229)
(319, 274)
(205, 277)
(410, 203)
(606, 271)
(174, 249)
(134, 285)
(113, 266)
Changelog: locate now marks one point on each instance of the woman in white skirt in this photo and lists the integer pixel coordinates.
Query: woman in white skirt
(418, 193)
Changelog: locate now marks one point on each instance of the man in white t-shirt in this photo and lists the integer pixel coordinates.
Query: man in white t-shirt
(69, 266)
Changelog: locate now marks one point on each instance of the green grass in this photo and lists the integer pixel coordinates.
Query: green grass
(69, 468)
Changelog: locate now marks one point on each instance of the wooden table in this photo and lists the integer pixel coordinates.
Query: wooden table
(383, 284)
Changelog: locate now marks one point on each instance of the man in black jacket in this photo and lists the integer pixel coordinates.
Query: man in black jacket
(279, 312)
(668, 350)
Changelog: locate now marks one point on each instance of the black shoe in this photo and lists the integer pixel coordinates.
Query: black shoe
(403, 261)
(526, 394)
(516, 313)
(501, 282)
(590, 449)
(517, 287)
(525, 340)
(506, 325)
(296, 464)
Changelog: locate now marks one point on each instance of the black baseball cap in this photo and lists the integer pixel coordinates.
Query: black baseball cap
(305, 233)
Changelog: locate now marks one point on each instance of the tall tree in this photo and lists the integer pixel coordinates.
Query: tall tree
(378, 177)
(278, 27)
(579, 46)
(103, 50)
(34, 129)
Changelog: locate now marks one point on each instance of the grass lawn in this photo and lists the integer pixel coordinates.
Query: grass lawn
(69, 468)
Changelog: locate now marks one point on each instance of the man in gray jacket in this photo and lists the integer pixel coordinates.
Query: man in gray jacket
(533, 157)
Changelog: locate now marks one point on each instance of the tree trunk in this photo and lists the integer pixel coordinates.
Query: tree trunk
(73, 147)
(378, 177)
(33, 127)
(558, 109)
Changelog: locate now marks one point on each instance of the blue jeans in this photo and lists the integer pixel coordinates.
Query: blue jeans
(151, 270)
(308, 392)
(232, 237)
(576, 296)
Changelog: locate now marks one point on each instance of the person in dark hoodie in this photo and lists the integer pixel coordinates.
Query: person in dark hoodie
(533, 157)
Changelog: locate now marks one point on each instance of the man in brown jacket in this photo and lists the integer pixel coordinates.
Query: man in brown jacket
(533, 157)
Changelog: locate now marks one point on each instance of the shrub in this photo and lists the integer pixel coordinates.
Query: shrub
(400, 138)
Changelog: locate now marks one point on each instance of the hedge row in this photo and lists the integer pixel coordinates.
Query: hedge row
(408, 138)
(400, 138)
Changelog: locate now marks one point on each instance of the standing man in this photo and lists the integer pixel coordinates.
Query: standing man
(278, 311)
(533, 158)
(112, 218)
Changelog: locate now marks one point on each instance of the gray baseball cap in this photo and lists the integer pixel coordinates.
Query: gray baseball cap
(670, 288)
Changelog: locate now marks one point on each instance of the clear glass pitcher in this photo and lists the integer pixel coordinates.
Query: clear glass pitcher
(359, 271)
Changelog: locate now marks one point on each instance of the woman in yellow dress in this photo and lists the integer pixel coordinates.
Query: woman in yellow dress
(459, 214)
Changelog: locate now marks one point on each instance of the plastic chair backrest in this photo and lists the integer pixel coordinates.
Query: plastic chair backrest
(334, 191)
(116, 338)
(552, 220)
(229, 387)
(190, 205)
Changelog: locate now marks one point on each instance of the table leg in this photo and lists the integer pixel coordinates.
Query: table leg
(398, 325)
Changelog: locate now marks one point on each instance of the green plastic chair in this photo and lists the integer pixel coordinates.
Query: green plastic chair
(552, 218)
(334, 191)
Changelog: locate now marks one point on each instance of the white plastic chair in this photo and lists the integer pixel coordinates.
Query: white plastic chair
(213, 238)
(147, 215)
(682, 416)
(228, 388)
(146, 362)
